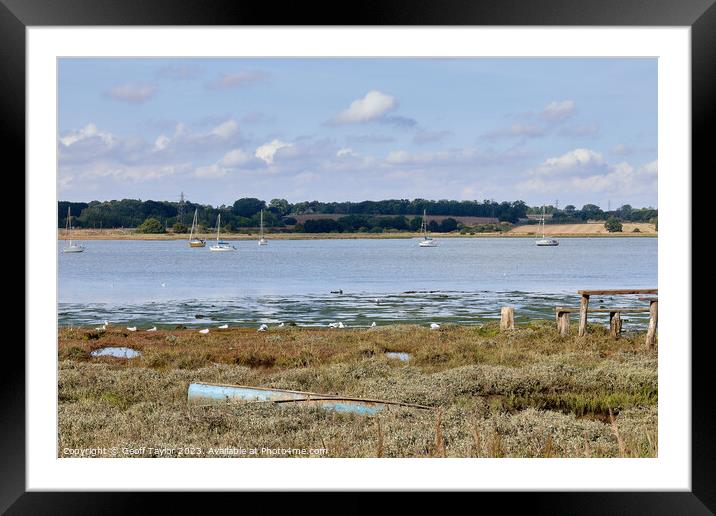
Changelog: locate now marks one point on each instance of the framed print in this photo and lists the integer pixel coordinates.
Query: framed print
(417, 249)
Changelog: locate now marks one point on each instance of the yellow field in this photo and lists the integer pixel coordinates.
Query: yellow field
(595, 228)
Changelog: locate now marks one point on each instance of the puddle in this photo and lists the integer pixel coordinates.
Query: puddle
(116, 352)
(403, 357)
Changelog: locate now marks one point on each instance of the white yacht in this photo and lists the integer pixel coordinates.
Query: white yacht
(262, 240)
(544, 241)
(72, 247)
(427, 240)
(220, 245)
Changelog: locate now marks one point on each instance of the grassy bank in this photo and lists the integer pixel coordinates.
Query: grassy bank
(529, 393)
(517, 232)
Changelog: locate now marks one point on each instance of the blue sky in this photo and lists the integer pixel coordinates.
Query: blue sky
(578, 130)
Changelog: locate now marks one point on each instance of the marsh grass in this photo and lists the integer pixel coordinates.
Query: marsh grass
(529, 393)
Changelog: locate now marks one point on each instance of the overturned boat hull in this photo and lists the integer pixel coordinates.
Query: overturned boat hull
(209, 393)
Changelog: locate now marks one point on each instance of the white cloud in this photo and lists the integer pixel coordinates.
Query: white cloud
(373, 106)
(225, 129)
(125, 172)
(235, 158)
(583, 171)
(346, 152)
(651, 168)
(571, 162)
(134, 93)
(161, 143)
(87, 132)
(558, 110)
(267, 151)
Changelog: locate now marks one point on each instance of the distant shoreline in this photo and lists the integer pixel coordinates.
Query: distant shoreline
(127, 234)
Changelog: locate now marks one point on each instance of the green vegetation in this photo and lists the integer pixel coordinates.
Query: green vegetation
(613, 225)
(571, 215)
(526, 393)
(337, 217)
(151, 225)
(178, 227)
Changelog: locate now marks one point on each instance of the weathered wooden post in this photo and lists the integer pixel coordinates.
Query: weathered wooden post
(583, 307)
(615, 324)
(562, 322)
(653, 319)
(507, 318)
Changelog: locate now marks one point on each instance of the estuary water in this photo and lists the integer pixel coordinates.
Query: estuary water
(354, 281)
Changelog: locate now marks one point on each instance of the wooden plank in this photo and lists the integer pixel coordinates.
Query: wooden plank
(604, 310)
(653, 320)
(563, 323)
(615, 324)
(618, 292)
(583, 308)
(507, 318)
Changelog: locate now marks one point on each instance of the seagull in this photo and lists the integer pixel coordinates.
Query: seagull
(263, 327)
(373, 325)
(101, 328)
(223, 326)
(154, 328)
(434, 326)
(204, 331)
(281, 325)
(341, 325)
(132, 328)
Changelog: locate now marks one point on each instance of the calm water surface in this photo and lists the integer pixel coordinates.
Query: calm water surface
(464, 280)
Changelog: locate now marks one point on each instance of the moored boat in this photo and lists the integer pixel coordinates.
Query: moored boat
(193, 240)
(200, 393)
(72, 247)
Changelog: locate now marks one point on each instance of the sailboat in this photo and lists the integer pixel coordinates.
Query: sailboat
(221, 245)
(544, 241)
(262, 240)
(193, 240)
(427, 240)
(72, 247)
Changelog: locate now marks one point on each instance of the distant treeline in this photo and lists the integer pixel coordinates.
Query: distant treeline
(393, 214)
(571, 215)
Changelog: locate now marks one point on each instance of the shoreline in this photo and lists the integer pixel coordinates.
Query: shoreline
(91, 234)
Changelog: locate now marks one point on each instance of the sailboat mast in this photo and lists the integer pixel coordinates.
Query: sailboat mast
(218, 225)
(262, 225)
(69, 225)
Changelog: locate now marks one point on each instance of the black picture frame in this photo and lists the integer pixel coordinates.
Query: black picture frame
(699, 15)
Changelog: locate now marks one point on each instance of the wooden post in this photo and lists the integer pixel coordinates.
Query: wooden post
(653, 319)
(583, 307)
(563, 323)
(507, 318)
(615, 324)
